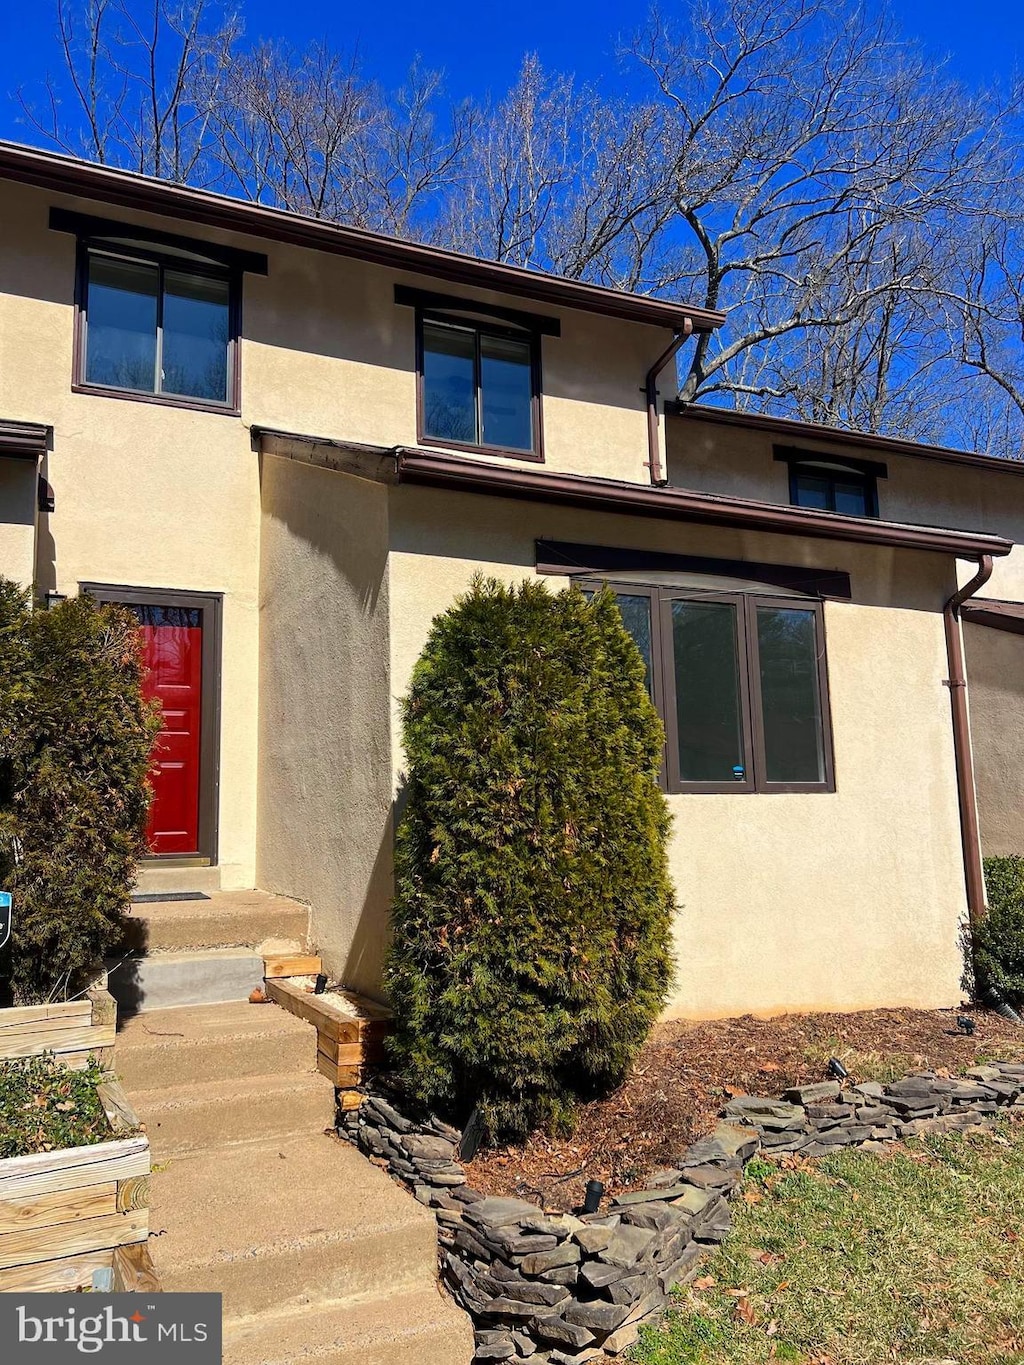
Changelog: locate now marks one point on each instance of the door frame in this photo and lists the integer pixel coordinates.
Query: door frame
(211, 604)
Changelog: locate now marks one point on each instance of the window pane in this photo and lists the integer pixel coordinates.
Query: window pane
(120, 343)
(507, 391)
(811, 492)
(793, 741)
(636, 617)
(706, 662)
(449, 395)
(196, 332)
(851, 497)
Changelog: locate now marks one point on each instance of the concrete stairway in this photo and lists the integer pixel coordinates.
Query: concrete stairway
(320, 1257)
(192, 952)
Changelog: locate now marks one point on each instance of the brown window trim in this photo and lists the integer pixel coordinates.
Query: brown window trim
(566, 557)
(211, 604)
(817, 462)
(751, 718)
(531, 335)
(88, 247)
(431, 301)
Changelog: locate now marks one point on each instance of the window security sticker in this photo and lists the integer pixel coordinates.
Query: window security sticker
(114, 1329)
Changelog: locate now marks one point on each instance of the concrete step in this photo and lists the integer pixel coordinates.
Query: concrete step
(287, 1222)
(227, 919)
(421, 1327)
(248, 1109)
(187, 1046)
(208, 976)
(157, 876)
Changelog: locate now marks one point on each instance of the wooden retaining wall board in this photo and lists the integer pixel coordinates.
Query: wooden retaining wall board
(74, 1030)
(350, 1031)
(63, 1213)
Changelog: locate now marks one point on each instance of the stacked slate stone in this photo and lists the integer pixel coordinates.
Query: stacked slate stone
(816, 1119)
(551, 1288)
(554, 1289)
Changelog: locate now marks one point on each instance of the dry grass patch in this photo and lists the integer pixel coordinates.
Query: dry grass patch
(912, 1255)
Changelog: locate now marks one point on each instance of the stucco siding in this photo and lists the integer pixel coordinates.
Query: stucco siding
(18, 500)
(790, 901)
(324, 825)
(995, 666)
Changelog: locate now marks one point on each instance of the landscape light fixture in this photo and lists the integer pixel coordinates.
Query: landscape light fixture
(321, 983)
(53, 597)
(837, 1069)
(593, 1196)
(966, 1025)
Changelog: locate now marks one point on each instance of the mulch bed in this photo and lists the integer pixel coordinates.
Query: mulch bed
(687, 1071)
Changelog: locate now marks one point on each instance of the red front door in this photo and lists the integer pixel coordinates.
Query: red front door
(173, 650)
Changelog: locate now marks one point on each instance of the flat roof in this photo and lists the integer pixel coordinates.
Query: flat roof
(104, 184)
(862, 440)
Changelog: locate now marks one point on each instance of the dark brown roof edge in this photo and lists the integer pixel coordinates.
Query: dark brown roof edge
(24, 440)
(67, 175)
(815, 431)
(608, 495)
(997, 615)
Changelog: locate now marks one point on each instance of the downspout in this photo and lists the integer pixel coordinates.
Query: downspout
(658, 478)
(974, 874)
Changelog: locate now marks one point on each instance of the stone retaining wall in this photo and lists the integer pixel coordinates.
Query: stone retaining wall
(554, 1289)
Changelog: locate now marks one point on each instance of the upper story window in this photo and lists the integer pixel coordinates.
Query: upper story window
(162, 326)
(158, 315)
(739, 679)
(478, 373)
(831, 484)
(478, 386)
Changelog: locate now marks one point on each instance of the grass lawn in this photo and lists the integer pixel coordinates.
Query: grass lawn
(915, 1254)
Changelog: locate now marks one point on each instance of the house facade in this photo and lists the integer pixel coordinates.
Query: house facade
(288, 446)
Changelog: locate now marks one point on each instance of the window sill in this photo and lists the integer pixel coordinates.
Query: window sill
(160, 399)
(533, 456)
(776, 789)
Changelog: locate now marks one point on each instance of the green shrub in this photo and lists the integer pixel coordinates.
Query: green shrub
(45, 1106)
(77, 738)
(532, 915)
(999, 938)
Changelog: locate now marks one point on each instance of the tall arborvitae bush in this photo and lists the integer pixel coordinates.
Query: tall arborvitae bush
(999, 937)
(532, 916)
(75, 744)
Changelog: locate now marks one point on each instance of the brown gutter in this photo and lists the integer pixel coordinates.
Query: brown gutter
(974, 873)
(103, 184)
(817, 431)
(678, 504)
(651, 389)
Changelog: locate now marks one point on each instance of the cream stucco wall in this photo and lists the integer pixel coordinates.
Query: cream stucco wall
(18, 501)
(156, 496)
(995, 668)
(786, 902)
(325, 831)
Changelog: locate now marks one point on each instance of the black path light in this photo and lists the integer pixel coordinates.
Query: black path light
(837, 1069)
(593, 1195)
(966, 1025)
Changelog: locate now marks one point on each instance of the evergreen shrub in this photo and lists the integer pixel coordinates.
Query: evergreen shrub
(75, 743)
(533, 908)
(999, 938)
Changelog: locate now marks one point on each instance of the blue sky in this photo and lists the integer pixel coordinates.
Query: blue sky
(481, 45)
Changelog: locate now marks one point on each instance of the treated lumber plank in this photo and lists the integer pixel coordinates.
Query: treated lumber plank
(133, 1194)
(350, 1099)
(342, 1076)
(134, 1271)
(57, 1206)
(19, 1015)
(83, 1038)
(349, 1054)
(334, 1013)
(117, 1107)
(73, 1167)
(70, 1239)
(67, 1274)
(104, 1007)
(292, 965)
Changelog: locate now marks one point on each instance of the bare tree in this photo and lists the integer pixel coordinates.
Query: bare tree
(144, 81)
(798, 164)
